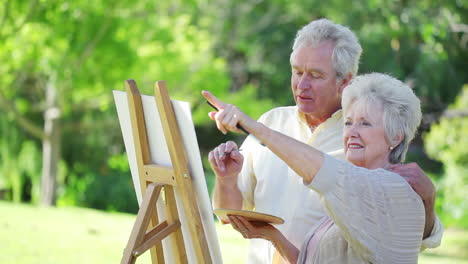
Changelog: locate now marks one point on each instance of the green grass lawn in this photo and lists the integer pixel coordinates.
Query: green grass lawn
(76, 235)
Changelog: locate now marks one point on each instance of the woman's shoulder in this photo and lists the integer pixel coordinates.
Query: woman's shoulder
(400, 192)
(392, 178)
(385, 180)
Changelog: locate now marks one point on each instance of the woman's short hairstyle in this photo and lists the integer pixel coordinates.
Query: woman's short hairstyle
(401, 108)
(346, 52)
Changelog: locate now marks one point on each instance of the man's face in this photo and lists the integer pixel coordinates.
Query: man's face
(314, 82)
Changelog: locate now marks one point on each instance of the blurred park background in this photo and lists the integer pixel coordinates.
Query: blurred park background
(60, 142)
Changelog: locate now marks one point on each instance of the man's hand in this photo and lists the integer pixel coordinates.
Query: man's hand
(416, 177)
(423, 186)
(226, 162)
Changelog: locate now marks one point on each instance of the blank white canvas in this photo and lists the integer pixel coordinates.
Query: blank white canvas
(160, 155)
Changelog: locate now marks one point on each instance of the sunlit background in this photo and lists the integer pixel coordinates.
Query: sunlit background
(66, 193)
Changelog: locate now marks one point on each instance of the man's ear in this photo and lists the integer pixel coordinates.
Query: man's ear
(345, 81)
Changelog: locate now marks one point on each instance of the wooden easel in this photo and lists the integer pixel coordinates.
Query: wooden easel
(148, 232)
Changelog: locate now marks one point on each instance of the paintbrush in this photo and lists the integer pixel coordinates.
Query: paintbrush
(238, 126)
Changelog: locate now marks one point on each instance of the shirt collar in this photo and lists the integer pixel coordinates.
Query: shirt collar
(337, 116)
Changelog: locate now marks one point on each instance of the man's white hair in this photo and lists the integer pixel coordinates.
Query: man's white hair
(346, 52)
(401, 108)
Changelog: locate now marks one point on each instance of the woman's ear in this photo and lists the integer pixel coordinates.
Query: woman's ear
(398, 139)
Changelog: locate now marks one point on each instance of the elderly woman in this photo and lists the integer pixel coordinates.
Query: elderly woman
(374, 216)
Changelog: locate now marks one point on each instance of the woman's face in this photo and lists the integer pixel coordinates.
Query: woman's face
(364, 136)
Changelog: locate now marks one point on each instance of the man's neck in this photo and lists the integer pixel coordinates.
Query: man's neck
(314, 122)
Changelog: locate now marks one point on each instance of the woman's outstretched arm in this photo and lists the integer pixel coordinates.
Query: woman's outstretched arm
(302, 158)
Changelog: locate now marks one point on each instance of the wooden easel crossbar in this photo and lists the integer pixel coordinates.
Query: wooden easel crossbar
(157, 180)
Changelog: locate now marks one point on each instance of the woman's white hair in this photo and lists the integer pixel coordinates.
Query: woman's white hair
(346, 52)
(401, 108)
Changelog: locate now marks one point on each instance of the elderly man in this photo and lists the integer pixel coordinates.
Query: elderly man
(324, 60)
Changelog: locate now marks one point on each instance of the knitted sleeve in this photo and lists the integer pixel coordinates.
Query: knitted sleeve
(377, 211)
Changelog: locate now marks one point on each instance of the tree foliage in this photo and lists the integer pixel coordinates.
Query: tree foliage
(447, 143)
(61, 59)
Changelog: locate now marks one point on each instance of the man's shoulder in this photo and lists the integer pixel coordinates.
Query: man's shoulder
(279, 114)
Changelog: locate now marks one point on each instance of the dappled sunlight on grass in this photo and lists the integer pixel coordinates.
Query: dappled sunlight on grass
(454, 249)
(233, 245)
(31, 234)
(65, 235)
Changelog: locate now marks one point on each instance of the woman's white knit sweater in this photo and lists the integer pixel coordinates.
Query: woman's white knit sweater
(378, 218)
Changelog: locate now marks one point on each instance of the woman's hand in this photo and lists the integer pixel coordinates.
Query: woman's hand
(249, 230)
(228, 116)
(226, 162)
(253, 229)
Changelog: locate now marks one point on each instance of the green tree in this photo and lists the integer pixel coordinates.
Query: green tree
(61, 59)
(49, 47)
(421, 42)
(447, 143)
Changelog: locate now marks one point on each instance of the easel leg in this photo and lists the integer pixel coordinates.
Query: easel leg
(176, 176)
(144, 216)
(172, 216)
(157, 254)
